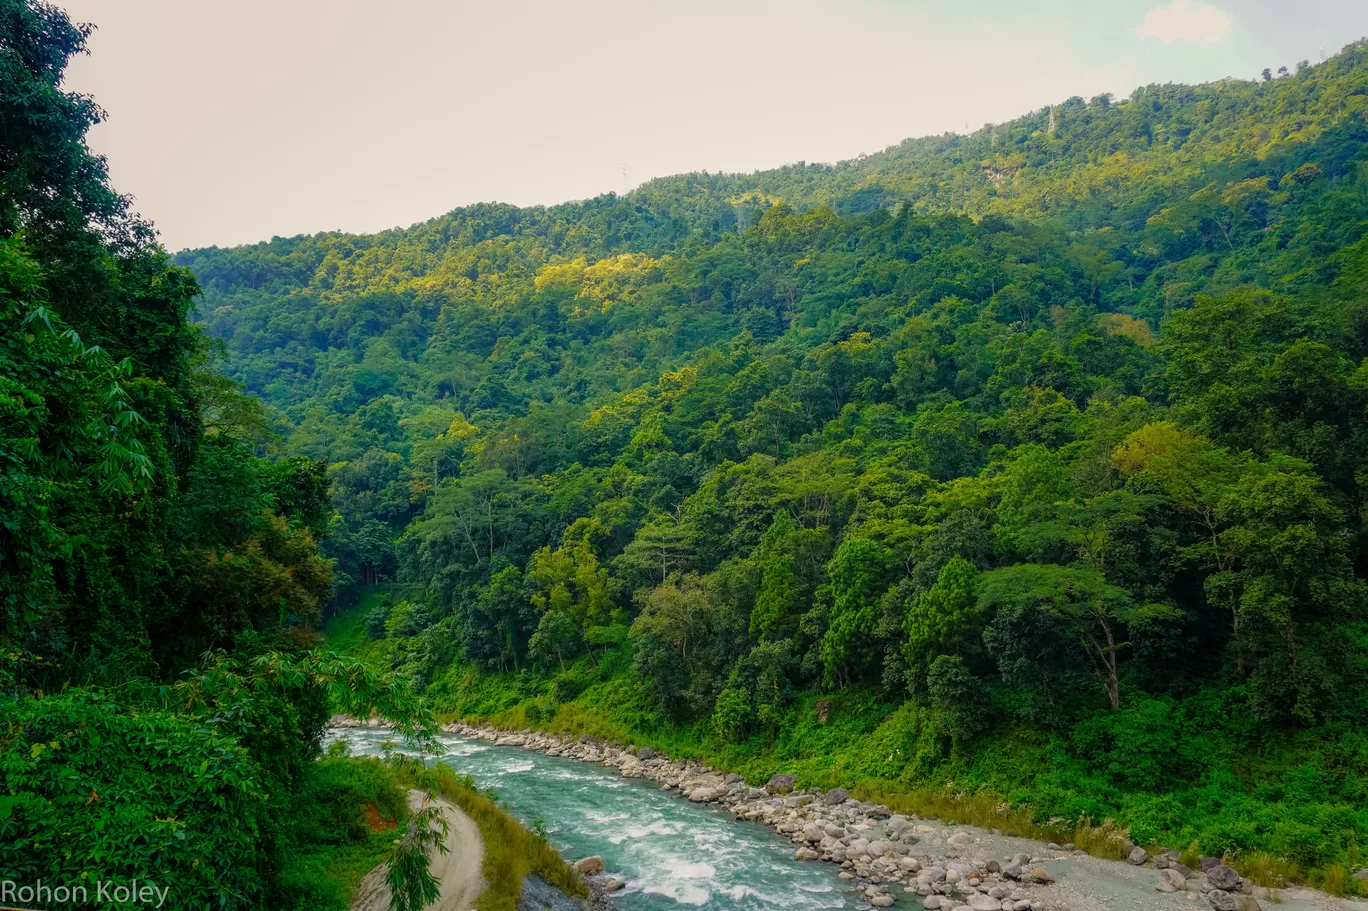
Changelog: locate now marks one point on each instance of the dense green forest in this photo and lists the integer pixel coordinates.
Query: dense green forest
(1026, 462)
(161, 697)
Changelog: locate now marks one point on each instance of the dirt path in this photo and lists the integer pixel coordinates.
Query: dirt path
(457, 871)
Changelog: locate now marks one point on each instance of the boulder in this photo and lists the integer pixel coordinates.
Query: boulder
(590, 866)
(732, 778)
(645, 753)
(836, 796)
(1138, 856)
(932, 902)
(778, 784)
(960, 840)
(993, 867)
(613, 885)
(1041, 875)
(806, 853)
(1249, 903)
(1223, 878)
(1171, 881)
(700, 795)
(882, 901)
(1222, 900)
(981, 902)
(1361, 876)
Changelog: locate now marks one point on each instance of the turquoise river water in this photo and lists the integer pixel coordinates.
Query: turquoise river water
(671, 853)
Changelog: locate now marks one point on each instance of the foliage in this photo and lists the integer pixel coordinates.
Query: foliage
(1046, 439)
(1081, 408)
(412, 885)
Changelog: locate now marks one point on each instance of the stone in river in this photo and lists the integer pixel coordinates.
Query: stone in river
(589, 865)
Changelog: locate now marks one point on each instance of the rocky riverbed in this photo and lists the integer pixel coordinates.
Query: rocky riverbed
(889, 859)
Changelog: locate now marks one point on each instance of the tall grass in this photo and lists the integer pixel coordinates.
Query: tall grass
(1267, 870)
(1107, 840)
(511, 851)
(983, 809)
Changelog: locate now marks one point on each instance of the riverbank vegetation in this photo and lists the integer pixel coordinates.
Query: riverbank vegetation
(162, 698)
(1023, 463)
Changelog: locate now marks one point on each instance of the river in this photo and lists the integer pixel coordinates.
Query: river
(671, 853)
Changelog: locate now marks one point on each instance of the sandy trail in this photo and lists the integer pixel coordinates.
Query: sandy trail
(457, 871)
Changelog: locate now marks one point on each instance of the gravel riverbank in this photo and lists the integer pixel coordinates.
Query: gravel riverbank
(891, 859)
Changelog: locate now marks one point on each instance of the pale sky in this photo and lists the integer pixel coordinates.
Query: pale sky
(234, 120)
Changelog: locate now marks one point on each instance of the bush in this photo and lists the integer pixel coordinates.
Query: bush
(95, 791)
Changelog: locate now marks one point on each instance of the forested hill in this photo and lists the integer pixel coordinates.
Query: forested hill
(1106, 163)
(1037, 453)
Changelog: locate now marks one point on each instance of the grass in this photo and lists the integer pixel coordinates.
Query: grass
(511, 852)
(1108, 840)
(346, 632)
(983, 809)
(1264, 869)
(341, 828)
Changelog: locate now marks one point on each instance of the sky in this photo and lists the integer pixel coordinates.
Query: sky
(232, 122)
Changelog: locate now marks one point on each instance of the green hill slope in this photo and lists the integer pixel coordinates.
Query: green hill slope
(1035, 455)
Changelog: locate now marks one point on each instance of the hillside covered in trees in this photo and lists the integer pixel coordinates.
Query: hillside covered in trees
(161, 697)
(1028, 462)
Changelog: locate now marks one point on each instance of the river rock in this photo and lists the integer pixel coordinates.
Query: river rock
(836, 796)
(882, 901)
(1041, 875)
(645, 753)
(1223, 878)
(960, 840)
(590, 866)
(983, 902)
(1222, 900)
(1138, 856)
(613, 885)
(932, 902)
(1171, 881)
(780, 784)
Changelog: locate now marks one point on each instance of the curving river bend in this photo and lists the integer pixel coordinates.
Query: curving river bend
(671, 853)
